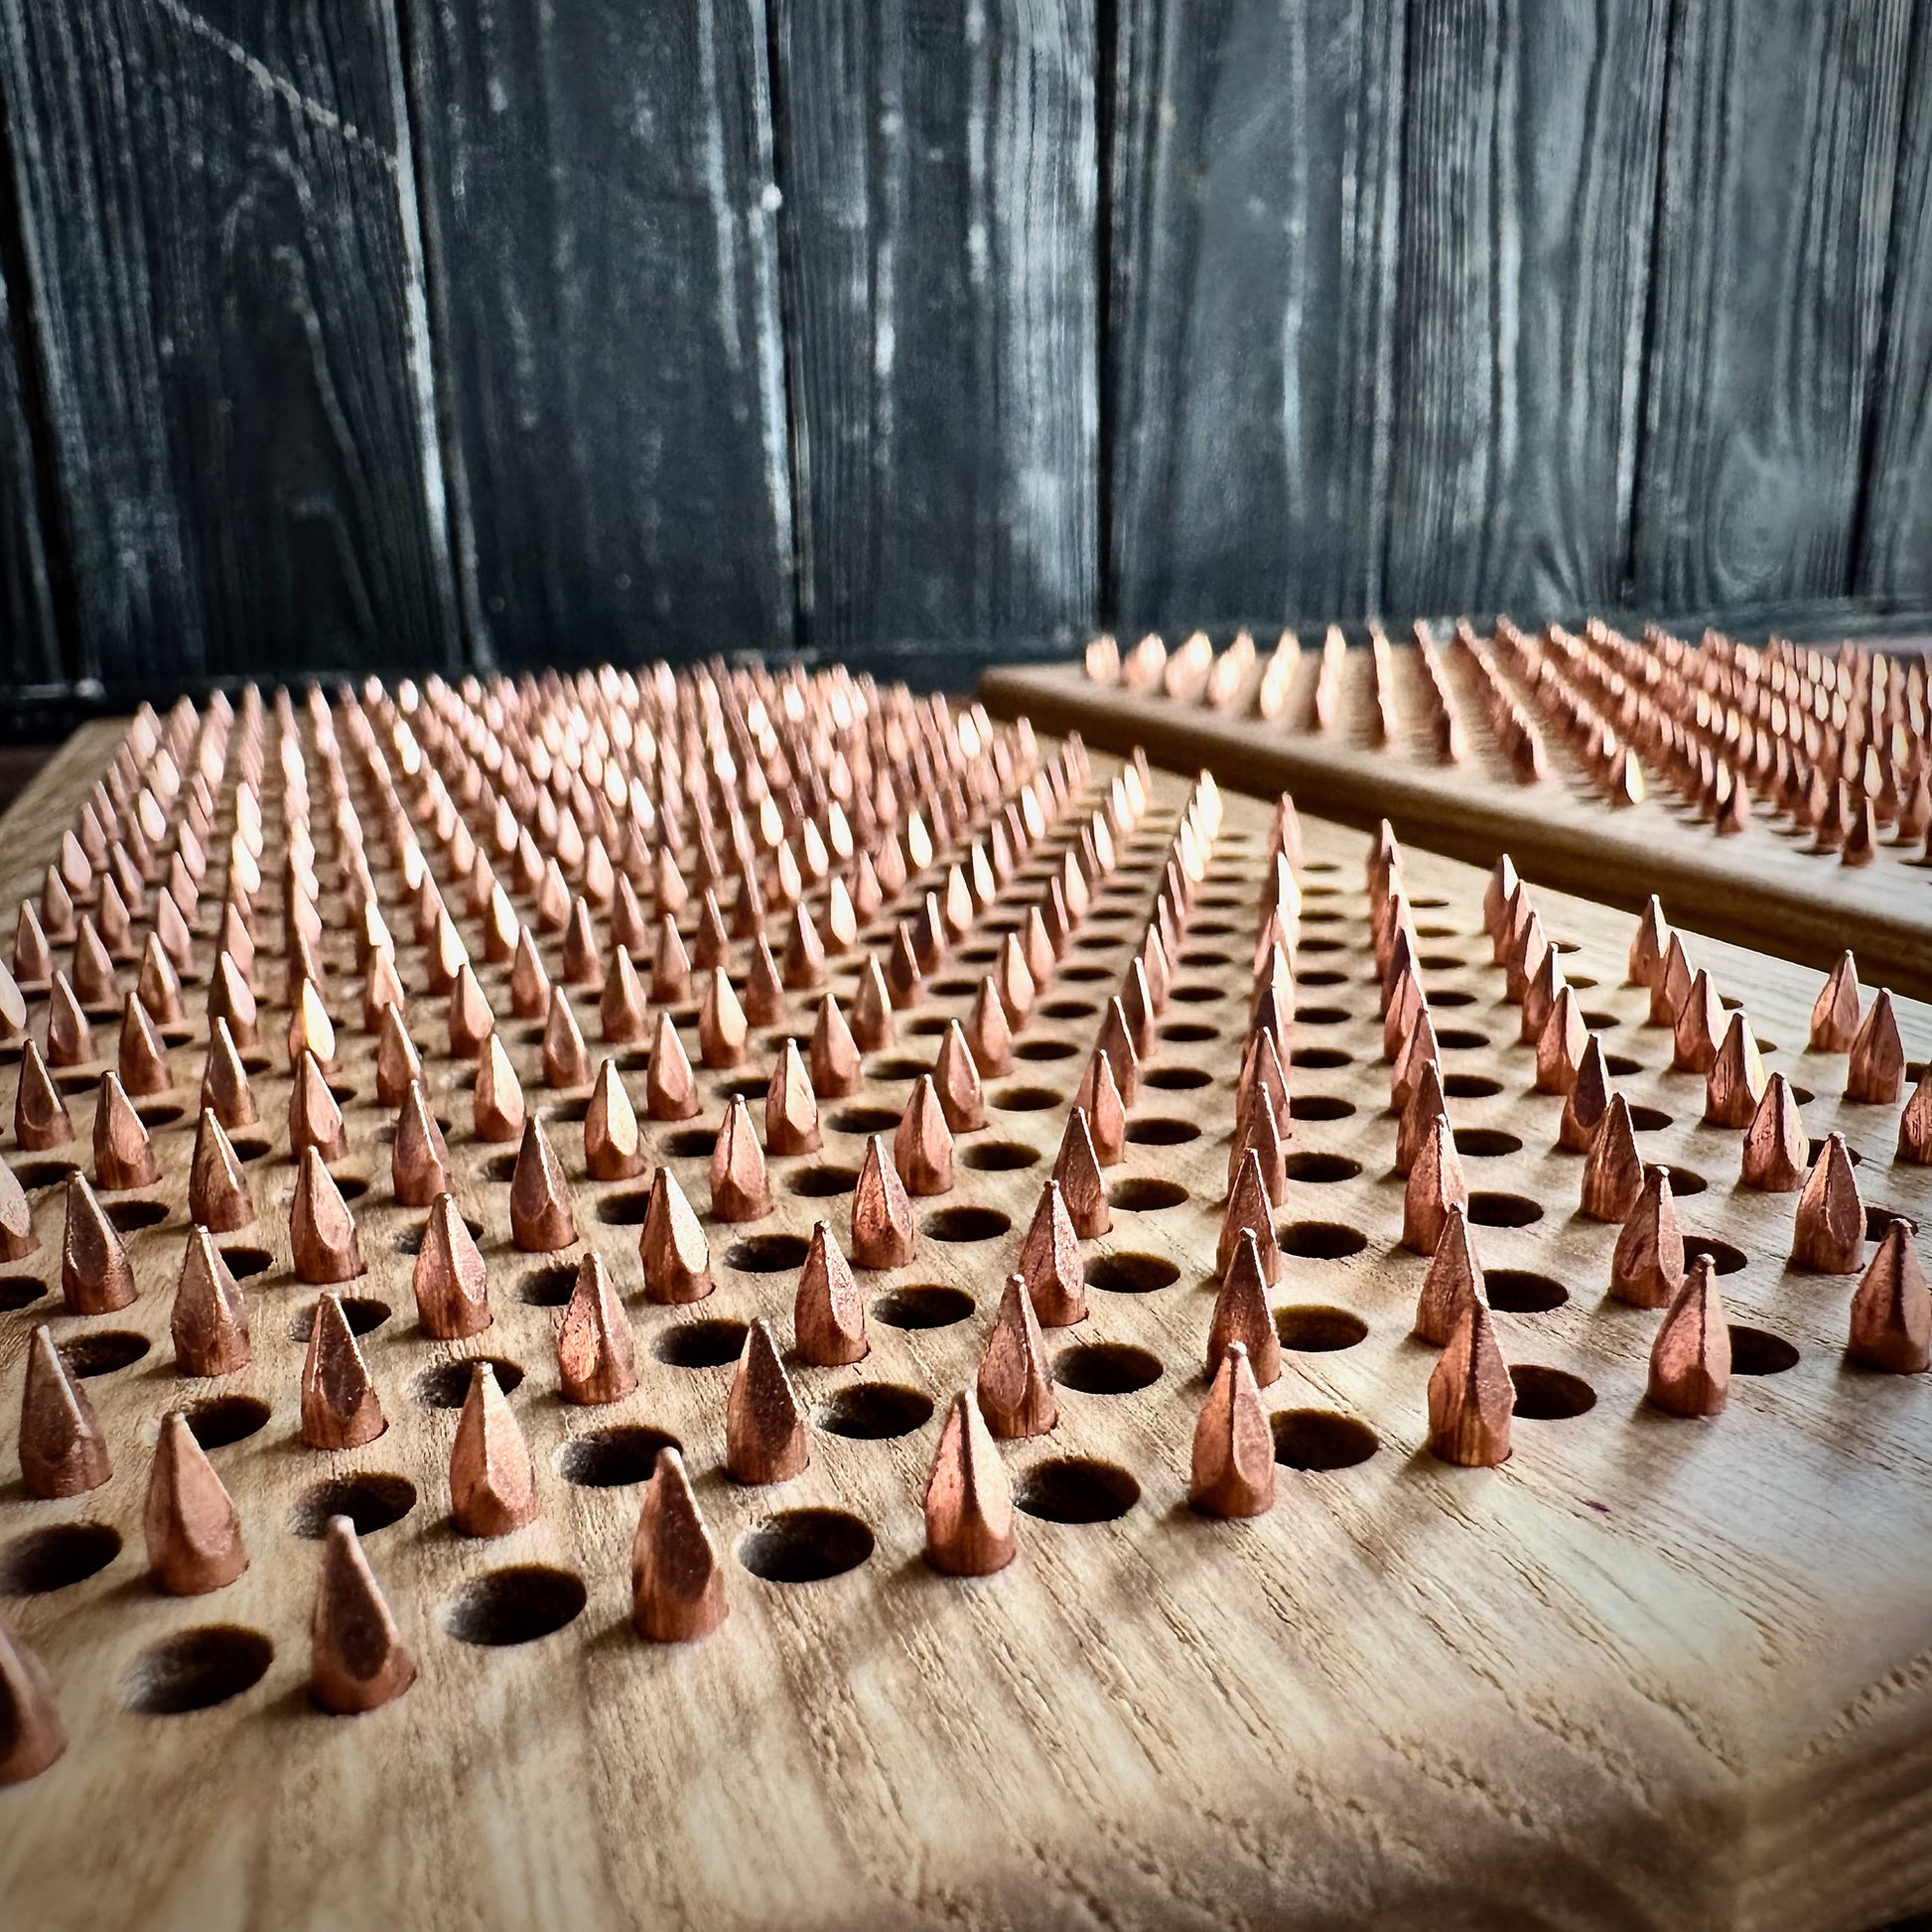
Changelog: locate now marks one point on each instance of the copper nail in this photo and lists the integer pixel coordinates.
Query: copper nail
(358, 1660)
(496, 1096)
(397, 1062)
(670, 971)
(471, 1022)
(834, 1053)
(1776, 1148)
(1241, 1313)
(217, 1190)
(790, 1106)
(1914, 1122)
(871, 1009)
(1013, 979)
(1828, 1235)
(676, 1257)
(1099, 1099)
(882, 1215)
(1425, 1104)
(17, 1237)
(581, 965)
(1613, 1172)
(597, 1358)
(766, 1437)
(449, 1280)
(1649, 943)
(1690, 1362)
(530, 993)
(544, 1218)
(621, 1009)
(1256, 1132)
(61, 1450)
(41, 1117)
(1452, 1282)
(670, 1086)
(677, 1583)
(491, 1488)
(209, 1322)
(96, 1277)
(31, 1733)
(315, 1120)
(828, 1314)
(922, 1145)
(143, 1058)
(1050, 1263)
(956, 1080)
(968, 1498)
(1696, 1028)
(722, 1026)
(1672, 985)
(322, 1231)
(123, 1153)
(566, 1059)
(1016, 1387)
(1835, 1015)
(1471, 1395)
(1647, 1264)
(1891, 1312)
(1232, 1474)
(1734, 1085)
(1586, 1101)
(1435, 1185)
(613, 1148)
(1875, 1073)
(740, 1190)
(230, 999)
(194, 1535)
(1561, 1045)
(419, 1157)
(339, 1409)
(764, 996)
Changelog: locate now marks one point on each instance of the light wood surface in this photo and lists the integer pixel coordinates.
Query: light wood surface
(1649, 1673)
(1760, 886)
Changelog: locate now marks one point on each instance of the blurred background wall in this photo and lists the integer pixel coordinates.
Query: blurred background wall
(345, 333)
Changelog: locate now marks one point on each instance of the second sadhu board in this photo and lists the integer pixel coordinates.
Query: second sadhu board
(1650, 1670)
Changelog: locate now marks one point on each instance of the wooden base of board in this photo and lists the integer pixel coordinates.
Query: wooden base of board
(1759, 888)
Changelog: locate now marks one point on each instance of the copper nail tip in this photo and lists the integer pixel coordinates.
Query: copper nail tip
(1915, 1123)
(612, 1146)
(1471, 1395)
(530, 992)
(1827, 1231)
(740, 1190)
(1647, 1263)
(61, 1450)
(829, 1312)
(142, 1060)
(339, 1409)
(123, 1153)
(881, 1213)
(1586, 1102)
(543, 1216)
(358, 1659)
(1454, 1280)
(192, 1529)
(676, 1255)
(766, 1435)
(1232, 1472)
(323, 1241)
(450, 1288)
(1891, 1310)
(1672, 986)
(314, 1118)
(96, 1275)
(1241, 1313)
(1836, 1014)
(17, 1237)
(1697, 1026)
(1689, 1360)
(956, 1081)
(1015, 1386)
(968, 1499)
(1876, 1072)
(1734, 1085)
(790, 1106)
(1613, 1172)
(1419, 1115)
(41, 1117)
(1051, 1265)
(597, 1358)
(835, 1068)
(1256, 1132)
(397, 1062)
(497, 1109)
(419, 1157)
(670, 1086)
(722, 1025)
(469, 1018)
(209, 1322)
(677, 1582)
(31, 1733)
(1078, 1169)
(1561, 1046)
(491, 1488)
(670, 970)
(566, 1058)
(1435, 1185)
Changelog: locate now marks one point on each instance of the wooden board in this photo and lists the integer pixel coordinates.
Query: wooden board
(1664, 1673)
(26, 601)
(1760, 886)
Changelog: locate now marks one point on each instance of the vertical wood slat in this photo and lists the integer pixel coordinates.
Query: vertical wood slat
(601, 214)
(1779, 167)
(30, 646)
(218, 221)
(940, 177)
(1529, 187)
(1255, 172)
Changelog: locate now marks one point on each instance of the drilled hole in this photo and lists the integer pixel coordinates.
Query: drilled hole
(744, 1086)
(899, 1068)
(220, 1420)
(1322, 1240)
(1023, 1100)
(500, 1167)
(1470, 1086)
(1503, 1210)
(1322, 976)
(1878, 1216)
(1461, 1040)
(999, 1157)
(1723, 1257)
(131, 1215)
(1320, 1059)
(701, 1344)
(819, 1182)
(1649, 1120)
(516, 1605)
(1176, 1079)
(55, 1557)
(1188, 1033)
(158, 1114)
(926, 1305)
(1208, 956)
(1620, 1066)
(549, 1288)
(1085, 973)
(767, 1253)
(1069, 1009)
(568, 1112)
(1314, 1330)
(1816, 1152)
(1683, 1180)
(1077, 1489)
(1161, 1132)
(1486, 1143)
(352, 1187)
(1756, 1351)
(244, 1262)
(1131, 1274)
(1318, 1438)
(1196, 995)
(1142, 1194)
(410, 1240)
(1320, 1017)
(362, 1313)
(864, 1120)
(966, 1224)
(35, 1175)
(102, 1354)
(875, 1412)
(446, 1385)
(1451, 996)
(372, 1500)
(1320, 942)
(927, 1023)
(806, 1546)
(1550, 1394)
(1106, 1368)
(691, 1143)
(1045, 1050)
(614, 1457)
(1518, 1291)
(1321, 1170)
(625, 1210)
(195, 1669)
(1438, 962)
(18, 1291)
(1601, 1022)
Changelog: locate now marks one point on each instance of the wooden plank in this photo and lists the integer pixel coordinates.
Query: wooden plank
(1530, 155)
(1256, 173)
(939, 170)
(1894, 550)
(1781, 158)
(599, 212)
(1759, 888)
(31, 648)
(219, 224)
(1659, 1672)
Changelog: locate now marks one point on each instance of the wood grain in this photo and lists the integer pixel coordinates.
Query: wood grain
(1655, 1674)
(939, 172)
(226, 292)
(1255, 173)
(601, 215)
(1531, 149)
(1781, 145)
(32, 648)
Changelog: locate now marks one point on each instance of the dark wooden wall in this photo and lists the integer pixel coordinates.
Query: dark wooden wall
(346, 332)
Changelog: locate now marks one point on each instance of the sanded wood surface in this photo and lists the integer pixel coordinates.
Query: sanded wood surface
(1761, 886)
(1649, 1672)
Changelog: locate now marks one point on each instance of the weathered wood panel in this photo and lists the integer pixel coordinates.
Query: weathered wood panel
(599, 212)
(218, 219)
(939, 165)
(1894, 549)
(1780, 152)
(1252, 298)
(1528, 189)
(30, 649)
